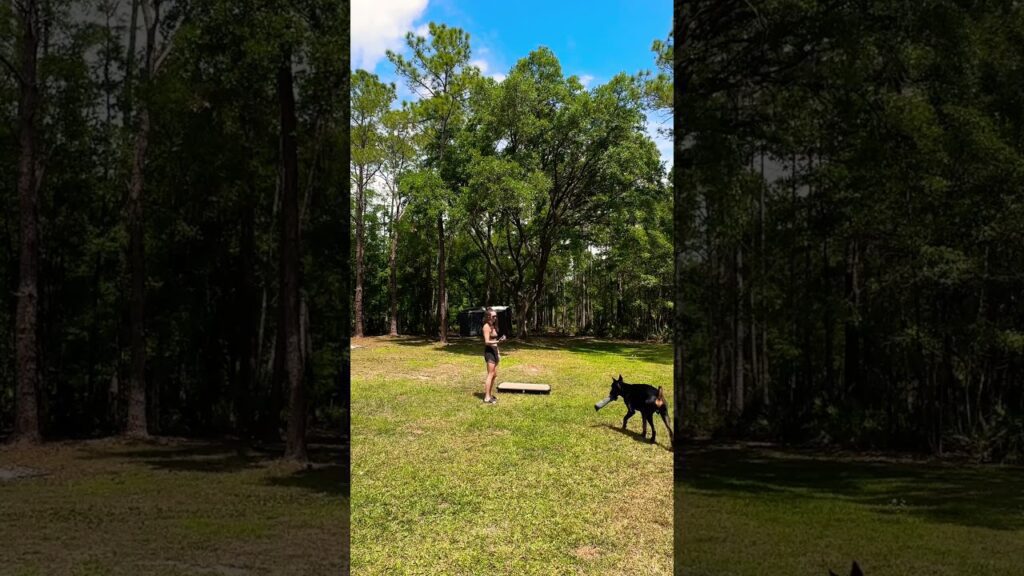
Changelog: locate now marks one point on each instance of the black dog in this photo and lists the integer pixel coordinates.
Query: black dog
(855, 571)
(642, 398)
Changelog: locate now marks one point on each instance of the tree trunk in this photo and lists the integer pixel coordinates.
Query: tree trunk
(766, 399)
(247, 338)
(679, 213)
(533, 302)
(155, 387)
(442, 293)
(295, 448)
(738, 403)
(947, 380)
(26, 423)
(108, 102)
(393, 281)
(754, 375)
(714, 398)
(344, 371)
(360, 233)
(754, 283)
(129, 65)
(522, 308)
(137, 425)
(791, 293)
(826, 294)
(808, 376)
(270, 367)
(982, 316)
(270, 429)
(851, 337)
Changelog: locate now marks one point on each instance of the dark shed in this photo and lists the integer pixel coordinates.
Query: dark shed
(471, 321)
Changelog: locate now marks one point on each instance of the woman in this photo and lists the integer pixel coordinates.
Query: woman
(491, 355)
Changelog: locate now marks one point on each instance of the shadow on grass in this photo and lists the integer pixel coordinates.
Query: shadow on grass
(636, 436)
(975, 496)
(217, 456)
(643, 351)
(329, 480)
(504, 394)
(193, 456)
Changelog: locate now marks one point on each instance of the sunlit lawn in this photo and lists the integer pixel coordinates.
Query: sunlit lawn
(537, 484)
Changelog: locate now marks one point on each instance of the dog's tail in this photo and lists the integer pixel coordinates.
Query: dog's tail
(660, 400)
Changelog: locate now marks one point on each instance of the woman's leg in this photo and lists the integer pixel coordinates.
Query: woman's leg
(489, 381)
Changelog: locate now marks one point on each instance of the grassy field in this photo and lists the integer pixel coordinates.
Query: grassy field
(443, 484)
(172, 507)
(754, 511)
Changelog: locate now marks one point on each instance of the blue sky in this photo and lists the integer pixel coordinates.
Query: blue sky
(593, 39)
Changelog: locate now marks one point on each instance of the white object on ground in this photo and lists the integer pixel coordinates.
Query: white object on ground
(523, 387)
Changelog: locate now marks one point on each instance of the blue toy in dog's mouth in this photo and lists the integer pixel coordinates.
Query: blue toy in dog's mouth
(602, 404)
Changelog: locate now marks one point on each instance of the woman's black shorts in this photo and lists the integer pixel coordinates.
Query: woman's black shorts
(490, 355)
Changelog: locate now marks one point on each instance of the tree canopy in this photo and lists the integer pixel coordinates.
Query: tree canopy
(851, 187)
(545, 195)
(207, 216)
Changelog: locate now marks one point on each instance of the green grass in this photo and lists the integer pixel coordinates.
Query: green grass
(173, 507)
(538, 484)
(754, 511)
(535, 485)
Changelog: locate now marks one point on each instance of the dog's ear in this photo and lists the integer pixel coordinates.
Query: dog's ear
(831, 573)
(855, 571)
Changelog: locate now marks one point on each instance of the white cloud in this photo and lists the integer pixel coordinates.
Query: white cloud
(381, 25)
(481, 64)
(586, 80)
(485, 67)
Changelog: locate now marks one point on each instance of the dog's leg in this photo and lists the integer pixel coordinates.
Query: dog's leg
(671, 436)
(626, 418)
(654, 433)
(643, 418)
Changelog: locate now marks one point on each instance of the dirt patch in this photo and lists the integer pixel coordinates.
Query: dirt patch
(587, 552)
(219, 569)
(16, 472)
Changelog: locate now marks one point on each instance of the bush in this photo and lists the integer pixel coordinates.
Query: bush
(1001, 440)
